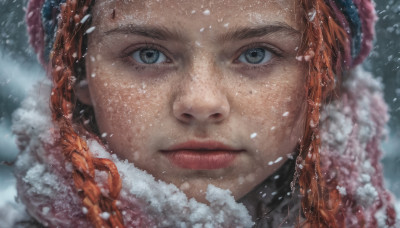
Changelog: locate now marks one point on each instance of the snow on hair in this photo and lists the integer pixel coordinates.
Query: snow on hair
(68, 41)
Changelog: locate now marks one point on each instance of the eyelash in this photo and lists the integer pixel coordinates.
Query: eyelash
(127, 55)
(276, 53)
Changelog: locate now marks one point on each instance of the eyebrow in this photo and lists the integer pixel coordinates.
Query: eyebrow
(241, 33)
(258, 31)
(155, 32)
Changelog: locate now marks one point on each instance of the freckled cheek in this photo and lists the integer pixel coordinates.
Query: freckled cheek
(277, 117)
(276, 109)
(130, 116)
(292, 112)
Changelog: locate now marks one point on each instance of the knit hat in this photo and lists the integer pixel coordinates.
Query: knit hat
(356, 16)
(351, 127)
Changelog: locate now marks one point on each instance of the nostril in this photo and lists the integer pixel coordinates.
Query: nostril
(186, 116)
(216, 115)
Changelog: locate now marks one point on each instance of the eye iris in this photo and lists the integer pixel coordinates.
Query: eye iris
(255, 55)
(149, 56)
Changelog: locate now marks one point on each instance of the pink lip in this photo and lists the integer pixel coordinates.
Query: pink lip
(201, 155)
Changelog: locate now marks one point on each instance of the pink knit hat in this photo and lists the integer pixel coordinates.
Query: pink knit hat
(35, 28)
(356, 16)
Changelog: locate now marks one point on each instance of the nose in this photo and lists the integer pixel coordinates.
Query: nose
(201, 101)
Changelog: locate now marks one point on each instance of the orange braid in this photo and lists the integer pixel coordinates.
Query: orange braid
(65, 56)
(323, 42)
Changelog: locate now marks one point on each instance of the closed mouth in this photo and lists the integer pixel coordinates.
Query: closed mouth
(196, 155)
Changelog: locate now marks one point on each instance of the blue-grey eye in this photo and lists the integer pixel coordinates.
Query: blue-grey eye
(149, 56)
(255, 56)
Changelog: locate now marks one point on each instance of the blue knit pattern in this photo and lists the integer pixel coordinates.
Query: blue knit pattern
(50, 12)
(350, 11)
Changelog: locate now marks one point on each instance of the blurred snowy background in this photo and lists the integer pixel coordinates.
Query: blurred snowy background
(19, 70)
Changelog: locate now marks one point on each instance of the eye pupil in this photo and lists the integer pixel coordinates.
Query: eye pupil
(149, 56)
(255, 55)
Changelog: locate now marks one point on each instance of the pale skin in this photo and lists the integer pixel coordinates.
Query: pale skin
(201, 87)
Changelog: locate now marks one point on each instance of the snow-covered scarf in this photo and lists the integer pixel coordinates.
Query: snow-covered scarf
(351, 130)
(45, 184)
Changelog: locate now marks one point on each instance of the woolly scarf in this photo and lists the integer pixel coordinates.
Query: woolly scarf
(351, 129)
(45, 185)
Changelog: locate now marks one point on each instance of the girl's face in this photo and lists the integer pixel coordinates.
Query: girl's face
(198, 92)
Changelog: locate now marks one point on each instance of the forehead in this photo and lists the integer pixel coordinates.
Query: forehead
(180, 13)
